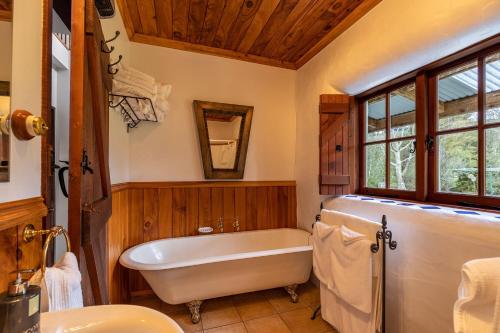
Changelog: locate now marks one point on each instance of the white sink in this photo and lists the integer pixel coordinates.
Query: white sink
(108, 319)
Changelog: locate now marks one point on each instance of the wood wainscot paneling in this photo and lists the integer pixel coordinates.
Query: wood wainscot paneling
(147, 211)
(14, 253)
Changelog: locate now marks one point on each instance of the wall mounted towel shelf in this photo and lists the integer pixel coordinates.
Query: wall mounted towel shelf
(133, 109)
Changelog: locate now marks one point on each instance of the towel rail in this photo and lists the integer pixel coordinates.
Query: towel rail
(384, 239)
(30, 233)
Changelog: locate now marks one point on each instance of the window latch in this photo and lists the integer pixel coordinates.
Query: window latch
(429, 142)
(413, 149)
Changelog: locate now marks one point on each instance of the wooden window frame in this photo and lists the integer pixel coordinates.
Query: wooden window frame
(473, 200)
(387, 191)
(425, 79)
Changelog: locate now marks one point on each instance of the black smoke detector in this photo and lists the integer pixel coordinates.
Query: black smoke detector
(106, 8)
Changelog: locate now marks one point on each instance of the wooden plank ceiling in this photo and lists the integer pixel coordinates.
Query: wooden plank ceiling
(283, 33)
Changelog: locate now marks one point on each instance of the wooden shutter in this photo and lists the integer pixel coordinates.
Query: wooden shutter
(89, 182)
(338, 145)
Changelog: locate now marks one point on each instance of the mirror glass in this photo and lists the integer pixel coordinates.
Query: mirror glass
(224, 132)
(5, 79)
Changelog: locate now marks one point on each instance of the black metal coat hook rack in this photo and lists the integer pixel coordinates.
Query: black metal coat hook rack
(105, 42)
(384, 236)
(112, 70)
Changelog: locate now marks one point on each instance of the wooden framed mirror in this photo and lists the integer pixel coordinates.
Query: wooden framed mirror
(224, 132)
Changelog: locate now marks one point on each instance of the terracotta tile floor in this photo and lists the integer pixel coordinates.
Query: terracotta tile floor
(268, 311)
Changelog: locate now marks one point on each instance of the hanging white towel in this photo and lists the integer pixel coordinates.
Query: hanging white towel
(355, 223)
(345, 317)
(322, 252)
(342, 260)
(61, 285)
(352, 268)
(477, 309)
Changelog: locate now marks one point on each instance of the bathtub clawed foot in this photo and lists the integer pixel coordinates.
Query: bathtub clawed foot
(194, 308)
(291, 290)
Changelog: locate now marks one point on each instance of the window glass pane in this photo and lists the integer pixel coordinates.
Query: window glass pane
(375, 165)
(375, 119)
(493, 88)
(458, 155)
(403, 165)
(493, 161)
(457, 91)
(402, 109)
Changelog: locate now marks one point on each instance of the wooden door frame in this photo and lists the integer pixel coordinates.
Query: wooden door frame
(88, 212)
(47, 191)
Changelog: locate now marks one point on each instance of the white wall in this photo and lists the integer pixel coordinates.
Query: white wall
(26, 94)
(170, 151)
(395, 37)
(118, 136)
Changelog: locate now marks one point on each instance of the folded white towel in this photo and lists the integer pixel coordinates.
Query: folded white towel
(134, 73)
(163, 90)
(131, 82)
(162, 105)
(120, 84)
(61, 285)
(146, 90)
(477, 309)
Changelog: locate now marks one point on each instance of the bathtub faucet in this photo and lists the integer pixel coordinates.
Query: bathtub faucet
(236, 224)
(220, 224)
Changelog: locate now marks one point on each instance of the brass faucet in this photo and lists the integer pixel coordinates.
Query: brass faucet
(220, 224)
(236, 224)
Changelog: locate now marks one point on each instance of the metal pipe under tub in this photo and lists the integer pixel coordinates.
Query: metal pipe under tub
(192, 269)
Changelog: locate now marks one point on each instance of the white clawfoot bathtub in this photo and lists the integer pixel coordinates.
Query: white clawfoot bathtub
(193, 269)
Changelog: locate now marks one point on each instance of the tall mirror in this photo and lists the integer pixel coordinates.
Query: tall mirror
(5, 79)
(224, 131)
